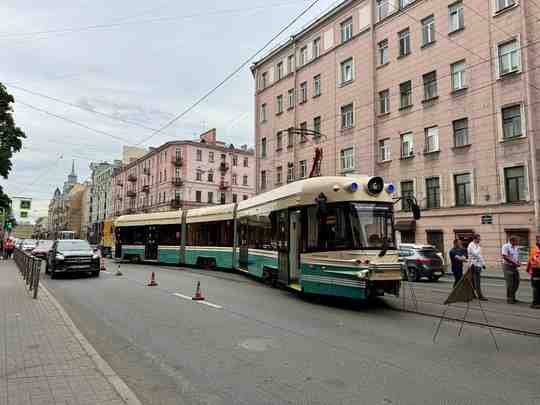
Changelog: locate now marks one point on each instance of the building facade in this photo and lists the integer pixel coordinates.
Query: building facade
(21, 209)
(439, 97)
(86, 210)
(101, 199)
(185, 174)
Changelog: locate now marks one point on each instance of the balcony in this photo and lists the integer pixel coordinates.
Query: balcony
(146, 170)
(131, 194)
(177, 181)
(146, 188)
(223, 166)
(223, 186)
(176, 203)
(177, 161)
(132, 178)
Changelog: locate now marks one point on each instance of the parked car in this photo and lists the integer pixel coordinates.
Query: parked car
(72, 256)
(42, 249)
(28, 245)
(420, 261)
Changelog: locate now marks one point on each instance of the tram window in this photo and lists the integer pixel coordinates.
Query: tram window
(134, 235)
(218, 233)
(168, 234)
(257, 233)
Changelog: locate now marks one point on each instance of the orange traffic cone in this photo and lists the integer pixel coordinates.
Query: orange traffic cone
(152, 282)
(102, 264)
(198, 294)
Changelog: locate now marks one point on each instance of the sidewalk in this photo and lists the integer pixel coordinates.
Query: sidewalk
(44, 360)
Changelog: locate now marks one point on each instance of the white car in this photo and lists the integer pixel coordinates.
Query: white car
(28, 245)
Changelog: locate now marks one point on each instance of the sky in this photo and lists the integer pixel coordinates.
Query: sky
(139, 61)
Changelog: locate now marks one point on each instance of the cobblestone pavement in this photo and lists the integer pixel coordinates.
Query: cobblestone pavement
(41, 360)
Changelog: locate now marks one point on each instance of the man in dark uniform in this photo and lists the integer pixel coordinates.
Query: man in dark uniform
(458, 256)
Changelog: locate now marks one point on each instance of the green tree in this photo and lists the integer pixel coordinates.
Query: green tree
(10, 139)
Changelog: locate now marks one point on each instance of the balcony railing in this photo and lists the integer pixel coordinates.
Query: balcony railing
(177, 161)
(223, 166)
(223, 186)
(131, 193)
(177, 181)
(146, 188)
(132, 178)
(176, 203)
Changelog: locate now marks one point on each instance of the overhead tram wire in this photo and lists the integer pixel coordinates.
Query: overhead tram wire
(230, 75)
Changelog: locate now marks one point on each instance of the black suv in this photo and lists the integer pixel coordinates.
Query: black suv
(420, 261)
(72, 256)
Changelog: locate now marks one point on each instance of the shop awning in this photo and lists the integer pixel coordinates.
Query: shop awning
(405, 225)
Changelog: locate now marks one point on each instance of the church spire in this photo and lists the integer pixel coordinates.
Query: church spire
(73, 168)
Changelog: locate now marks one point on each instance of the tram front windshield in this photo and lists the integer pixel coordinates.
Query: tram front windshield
(350, 226)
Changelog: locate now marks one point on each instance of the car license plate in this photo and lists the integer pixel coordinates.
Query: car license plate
(438, 273)
(80, 266)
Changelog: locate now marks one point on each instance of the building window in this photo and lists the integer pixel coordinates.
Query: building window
(347, 116)
(290, 138)
(511, 122)
(316, 48)
(279, 104)
(198, 196)
(456, 17)
(290, 172)
(462, 189)
(346, 30)
(235, 160)
(263, 147)
(244, 197)
(430, 85)
(428, 30)
(234, 198)
(263, 179)
(405, 94)
(303, 130)
(264, 78)
(199, 155)
(263, 113)
(303, 169)
(458, 75)
(514, 184)
(383, 9)
(234, 179)
(431, 139)
(290, 93)
(290, 63)
(404, 43)
(279, 140)
(383, 52)
(317, 126)
(502, 4)
(245, 180)
(404, 3)
(407, 150)
(347, 71)
(303, 92)
(246, 162)
(347, 159)
(210, 197)
(407, 192)
(433, 192)
(461, 132)
(222, 198)
(210, 177)
(317, 86)
(509, 58)
(279, 174)
(384, 101)
(279, 70)
(198, 175)
(303, 56)
(211, 157)
(384, 150)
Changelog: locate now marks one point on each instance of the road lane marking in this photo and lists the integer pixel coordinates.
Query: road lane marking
(105, 271)
(210, 304)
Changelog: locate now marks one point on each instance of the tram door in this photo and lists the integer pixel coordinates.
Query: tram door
(295, 227)
(243, 256)
(151, 248)
(282, 223)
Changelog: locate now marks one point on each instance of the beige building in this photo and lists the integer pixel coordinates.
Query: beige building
(439, 97)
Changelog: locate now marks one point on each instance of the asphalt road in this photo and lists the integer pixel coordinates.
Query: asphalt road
(251, 344)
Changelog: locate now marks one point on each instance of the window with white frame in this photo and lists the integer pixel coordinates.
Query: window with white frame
(198, 175)
(384, 150)
(316, 48)
(290, 172)
(263, 113)
(246, 162)
(383, 9)
(462, 189)
(317, 86)
(346, 30)
(303, 130)
(303, 169)
(210, 177)
(457, 71)
(211, 157)
(515, 184)
(407, 150)
(347, 116)
(317, 126)
(210, 197)
(303, 56)
(461, 132)
(263, 147)
(456, 17)
(430, 85)
(290, 138)
(290, 94)
(511, 121)
(264, 80)
(263, 179)
(384, 101)
(433, 192)
(509, 57)
(502, 4)
(347, 71)
(303, 92)
(404, 3)
(279, 104)
(279, 174)
(404, 42)
(199, 155)
(405, 94)
(198, 196)
(290, 63)
(431, 139)
(234, 179)
(428, 30)
(407, 193)
(383, 52)
(347, 159)
(279, 70)
(245, 180)
(279, 140)
(235, 198)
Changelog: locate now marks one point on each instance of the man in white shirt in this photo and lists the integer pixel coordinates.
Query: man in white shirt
(511, 263)
(474, 253)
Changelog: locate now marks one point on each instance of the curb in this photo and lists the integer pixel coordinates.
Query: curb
(103, 367)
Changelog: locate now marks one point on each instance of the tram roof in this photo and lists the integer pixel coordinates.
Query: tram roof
(305, 192)
(154, 218)
(222, 212)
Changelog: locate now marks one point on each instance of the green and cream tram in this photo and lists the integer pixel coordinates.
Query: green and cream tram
(323, 235)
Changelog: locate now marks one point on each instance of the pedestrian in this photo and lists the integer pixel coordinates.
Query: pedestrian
(474, 253)
(511, 264)
(533, 268)
(9, 247)
(458, 256)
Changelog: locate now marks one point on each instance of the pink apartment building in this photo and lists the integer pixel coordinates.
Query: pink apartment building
(185, 174)
(439, 97)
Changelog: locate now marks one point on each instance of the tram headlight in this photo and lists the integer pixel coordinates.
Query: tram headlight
(375, 185)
